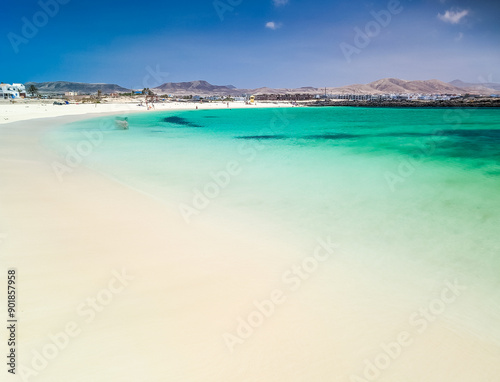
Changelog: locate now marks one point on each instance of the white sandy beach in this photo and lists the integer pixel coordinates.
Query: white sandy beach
(30, 110)
(142, 296)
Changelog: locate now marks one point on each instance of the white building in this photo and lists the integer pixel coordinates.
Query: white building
(13, 91)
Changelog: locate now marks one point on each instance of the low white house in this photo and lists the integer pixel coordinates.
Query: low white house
(8, 91)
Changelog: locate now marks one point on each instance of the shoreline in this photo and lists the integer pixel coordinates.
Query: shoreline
(26, 111)
(187, 285)
(412, 104)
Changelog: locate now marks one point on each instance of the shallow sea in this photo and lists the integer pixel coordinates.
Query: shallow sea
(411, 196)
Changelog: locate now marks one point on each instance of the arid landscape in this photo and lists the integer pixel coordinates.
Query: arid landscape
(203, 88)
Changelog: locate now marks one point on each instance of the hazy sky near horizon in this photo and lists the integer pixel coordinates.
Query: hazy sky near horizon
(249, 44)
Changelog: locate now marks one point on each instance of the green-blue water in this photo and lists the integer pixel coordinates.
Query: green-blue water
(395, 188)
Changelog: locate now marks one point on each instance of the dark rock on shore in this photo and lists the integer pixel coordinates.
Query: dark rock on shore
(491, 102)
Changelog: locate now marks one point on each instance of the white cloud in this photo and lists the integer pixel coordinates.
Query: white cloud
(279, 3)
(272, 25)
(453, 17)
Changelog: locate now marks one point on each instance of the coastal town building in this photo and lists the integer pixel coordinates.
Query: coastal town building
(12, 91)
(284, 97)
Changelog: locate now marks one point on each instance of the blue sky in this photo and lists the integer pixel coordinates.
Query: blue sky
(276, 43)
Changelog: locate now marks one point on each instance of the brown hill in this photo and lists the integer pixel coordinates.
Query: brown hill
(195, 88)
(394, 85)
(382, 86)
(482, 87)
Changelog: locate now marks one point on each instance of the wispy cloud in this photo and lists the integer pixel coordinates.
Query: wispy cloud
(453, 16)
(279, 3)
(273, 25)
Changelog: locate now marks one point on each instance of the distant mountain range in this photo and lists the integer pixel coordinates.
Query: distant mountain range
(479, 87)
(81, 88)
(383, 86)
(194, 87)
(394, 85)
(203, 88)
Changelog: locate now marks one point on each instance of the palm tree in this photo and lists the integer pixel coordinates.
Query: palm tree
(99, 94)
(32, 90)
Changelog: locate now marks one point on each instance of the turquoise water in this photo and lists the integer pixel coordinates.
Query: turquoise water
(405, 189)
